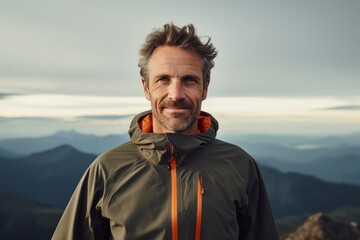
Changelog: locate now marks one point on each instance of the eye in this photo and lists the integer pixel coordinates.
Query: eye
(163, 79)
(190, 79)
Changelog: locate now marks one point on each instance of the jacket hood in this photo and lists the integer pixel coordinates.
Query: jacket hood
(159, 148)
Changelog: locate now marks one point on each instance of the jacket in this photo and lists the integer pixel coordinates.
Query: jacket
(170, 186)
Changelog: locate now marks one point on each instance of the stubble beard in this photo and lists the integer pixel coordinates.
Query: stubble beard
(176, 122)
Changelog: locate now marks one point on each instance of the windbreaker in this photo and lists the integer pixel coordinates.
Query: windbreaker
(170, 186)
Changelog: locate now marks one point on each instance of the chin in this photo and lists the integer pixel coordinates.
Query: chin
(180, 126)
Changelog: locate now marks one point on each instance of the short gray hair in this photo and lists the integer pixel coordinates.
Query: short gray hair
(185, 37)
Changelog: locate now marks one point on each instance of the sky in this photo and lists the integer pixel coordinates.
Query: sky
(285, 67)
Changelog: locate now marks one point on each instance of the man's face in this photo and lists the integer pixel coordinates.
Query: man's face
(175, 89)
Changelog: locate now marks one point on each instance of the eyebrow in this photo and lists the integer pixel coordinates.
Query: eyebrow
(191, 76)
(161, 76)
(183, 77)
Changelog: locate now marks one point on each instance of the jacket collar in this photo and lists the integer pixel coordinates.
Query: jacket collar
(156, 147)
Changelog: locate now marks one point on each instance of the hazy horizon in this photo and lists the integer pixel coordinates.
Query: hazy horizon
(36, 115)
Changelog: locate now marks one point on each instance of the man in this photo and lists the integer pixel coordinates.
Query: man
(174, 179)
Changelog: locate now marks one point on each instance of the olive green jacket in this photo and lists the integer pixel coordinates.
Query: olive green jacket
(170, 186)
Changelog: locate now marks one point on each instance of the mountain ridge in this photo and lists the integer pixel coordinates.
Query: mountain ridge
(51, 177)
(84, 142)
(341, 169)
(295, 193)
(24, 218)
(322, 227)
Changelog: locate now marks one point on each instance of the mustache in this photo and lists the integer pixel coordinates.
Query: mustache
(176, 104)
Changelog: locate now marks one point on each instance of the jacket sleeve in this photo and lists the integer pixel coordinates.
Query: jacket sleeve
(258, 222)
(82, 217)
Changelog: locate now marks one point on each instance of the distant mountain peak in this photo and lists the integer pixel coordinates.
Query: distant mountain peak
(54, 154)
(62, 132)
(66, 133)
(63, 147)
(6, 153)
(322, 227)
(83, 141)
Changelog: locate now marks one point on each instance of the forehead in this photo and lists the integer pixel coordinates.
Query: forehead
(168, 58)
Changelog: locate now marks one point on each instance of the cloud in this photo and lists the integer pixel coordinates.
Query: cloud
(106, 117)
(277, 48)
(27, 119)
(41, 126)
(345, 108)
(5, 95)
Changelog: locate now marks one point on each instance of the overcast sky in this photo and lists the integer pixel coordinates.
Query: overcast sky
(296, 49)
(272, 48)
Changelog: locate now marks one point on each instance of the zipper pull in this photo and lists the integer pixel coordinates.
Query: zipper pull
(172, 152)
(172, 155)
(199, 210)
(202, 190)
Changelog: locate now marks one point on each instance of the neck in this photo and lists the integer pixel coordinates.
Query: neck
(191, 130)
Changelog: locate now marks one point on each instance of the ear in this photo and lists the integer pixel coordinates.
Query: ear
(206, 86)
(146, 89)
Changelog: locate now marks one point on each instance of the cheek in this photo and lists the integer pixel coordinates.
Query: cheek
(159, 93)
(196, 95)
(155, 98)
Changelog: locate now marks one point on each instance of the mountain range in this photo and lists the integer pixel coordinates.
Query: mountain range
(84, 142)
(26, 219)
(37, 221)
(294, 193)
(51, 177)
(322, 227)
(343, 168)
(332, 158)
(298, 149)
(39, 186)
(7, 154)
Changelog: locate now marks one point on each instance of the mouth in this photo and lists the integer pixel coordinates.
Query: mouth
(176, 109)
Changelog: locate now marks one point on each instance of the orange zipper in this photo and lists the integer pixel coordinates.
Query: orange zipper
(174, 211)
(200, 193)
(174, 207)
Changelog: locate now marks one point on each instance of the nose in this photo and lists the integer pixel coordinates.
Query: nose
(176, 91)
